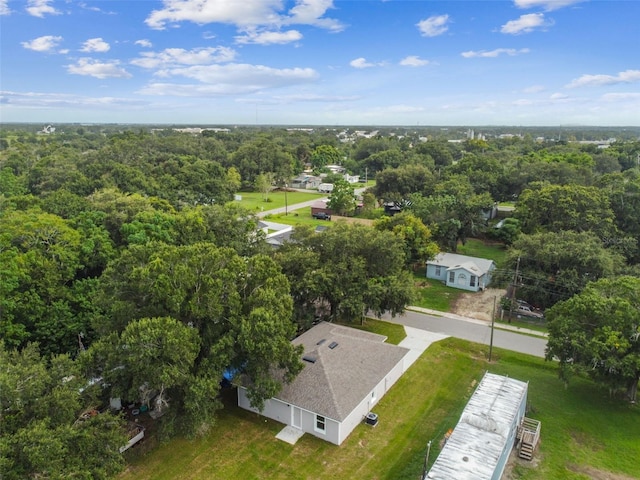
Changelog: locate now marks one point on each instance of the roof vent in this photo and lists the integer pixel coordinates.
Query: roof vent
(309, 358)
(333, 345)
(321, 341)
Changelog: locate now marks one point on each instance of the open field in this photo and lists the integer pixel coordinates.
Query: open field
(585, 434)
(478, 248)
(254, 201)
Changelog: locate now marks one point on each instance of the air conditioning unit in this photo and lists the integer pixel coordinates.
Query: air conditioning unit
(371, 419)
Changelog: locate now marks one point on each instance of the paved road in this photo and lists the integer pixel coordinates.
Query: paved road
(297, 206)
(474, 330)
(290, 208)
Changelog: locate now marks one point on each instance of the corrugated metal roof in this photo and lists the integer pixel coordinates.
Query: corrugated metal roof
(475, 445)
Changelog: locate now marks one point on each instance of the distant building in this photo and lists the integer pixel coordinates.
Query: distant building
(47, 130)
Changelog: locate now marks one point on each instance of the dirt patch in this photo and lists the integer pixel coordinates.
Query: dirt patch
(362, 221)
(596, 474)
(478, 305)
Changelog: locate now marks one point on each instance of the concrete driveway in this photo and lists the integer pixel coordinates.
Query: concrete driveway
(417, 341)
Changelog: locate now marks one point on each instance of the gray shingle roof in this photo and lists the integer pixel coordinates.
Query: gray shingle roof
(476, 265)
(343, 376)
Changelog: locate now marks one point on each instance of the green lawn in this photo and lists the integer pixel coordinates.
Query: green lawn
(394, 332)
(582, 428)
(297, 217)
(433, 293)
(478, 248)
(255, 200)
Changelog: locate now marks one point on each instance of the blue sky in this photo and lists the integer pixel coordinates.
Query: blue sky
(326, 62)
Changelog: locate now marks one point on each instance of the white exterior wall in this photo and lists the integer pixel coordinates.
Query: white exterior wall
(465, 282)
(368, 403)
(335, 432)
(283, 412)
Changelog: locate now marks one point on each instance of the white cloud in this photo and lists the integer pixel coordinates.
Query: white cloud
(522, 102)
(525, 24)
(43, 44)
(93, 8)
(230, 79)
(65, 100)
(267, 38)
(433, 26)
(534, 89)
(97, 69)
(243, 14)
(362, 63)
(171, 57)
(310, 12)
(144, 43)
(305, 97)
(494, 53)
(558, 96)
(413, 61)
(628, 76)
(546, 4)
(621, 97)
(40, 8)
(95, 45)
(4, 7)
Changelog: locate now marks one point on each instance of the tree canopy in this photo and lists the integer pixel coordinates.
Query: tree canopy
(597, 333)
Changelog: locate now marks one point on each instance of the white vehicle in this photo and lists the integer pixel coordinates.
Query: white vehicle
(325, 187)
(526, 311)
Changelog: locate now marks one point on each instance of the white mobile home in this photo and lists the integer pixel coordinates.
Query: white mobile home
(480, 445)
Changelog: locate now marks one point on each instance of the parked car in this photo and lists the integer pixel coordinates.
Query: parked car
(527, 311)
(321, 216)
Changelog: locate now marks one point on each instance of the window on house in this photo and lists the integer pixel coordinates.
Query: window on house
(452, 277)
(438, 271)
(320, 424)
(472, 281)
(373, 396)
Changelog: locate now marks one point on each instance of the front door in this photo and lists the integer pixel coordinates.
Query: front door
(296, 417)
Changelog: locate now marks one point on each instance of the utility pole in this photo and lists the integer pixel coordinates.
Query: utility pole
(286, 203)
(493, 321)
(514, 288)
(426, 461)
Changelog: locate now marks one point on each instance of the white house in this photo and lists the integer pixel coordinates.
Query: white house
(346, 372)
(480, 444)
(461, 271)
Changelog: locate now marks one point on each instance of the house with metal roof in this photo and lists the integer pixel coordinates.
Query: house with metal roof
(480, 444)
(346, 372)
(461, 271)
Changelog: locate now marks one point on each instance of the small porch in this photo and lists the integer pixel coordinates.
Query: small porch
(528, 436)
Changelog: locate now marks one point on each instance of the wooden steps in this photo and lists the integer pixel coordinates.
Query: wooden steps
(528, 436)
